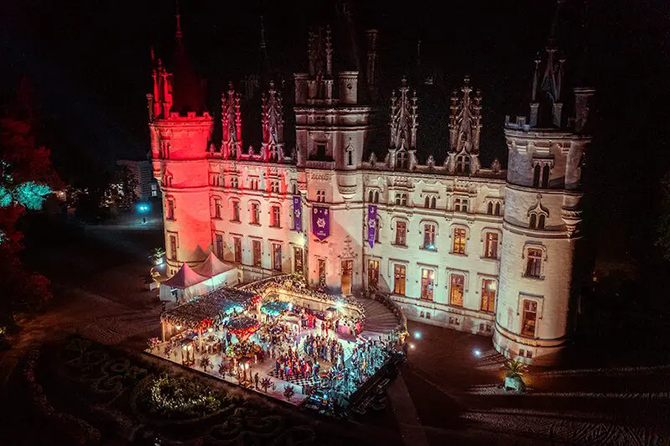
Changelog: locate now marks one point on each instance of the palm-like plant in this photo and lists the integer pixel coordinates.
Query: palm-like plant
(156, 255)
(514, 368)
(289, 391)
(205, 362)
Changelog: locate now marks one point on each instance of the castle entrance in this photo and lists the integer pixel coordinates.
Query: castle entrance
(347, 273)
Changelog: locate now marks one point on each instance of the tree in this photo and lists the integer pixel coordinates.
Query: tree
(26, 178)
(265, 384)
(289, 391)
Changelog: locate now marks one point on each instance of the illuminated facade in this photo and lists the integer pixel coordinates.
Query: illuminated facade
(455, 244)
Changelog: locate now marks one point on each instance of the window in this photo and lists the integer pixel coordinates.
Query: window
(534, 265)
(529, 319)
(541, 221)
(217, 208)
(537, 220)
(234, 182)
(237, 248)
(427, 283)
(255, 214)
(218, 245)
(214, 179)
(399, 277)
(401, 199)
(497, 211)
(537, 171)
(169, 209)
(373, 275)
(297, 260)
(164, 151)
(322, 272)
(491, 245)
(401, 160)
(253, 183)
(463, 164)
(373, 196)
(532, 223)
(173, 247)
(320, 151)
(276, 256)
(489, 209)
(461, 205)
(275, 217)
(545, 176)
(488, 295)
(274, 186)
(459, 241)
(430, 202)
(321, 196)
(541, 173)
(429, 236)
(294, 186)
(456, 288)
(350, 156)
(167, 180)
(401, 233)
(235, 210)
(256, 245)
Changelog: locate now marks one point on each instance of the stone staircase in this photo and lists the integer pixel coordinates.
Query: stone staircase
(379, 320)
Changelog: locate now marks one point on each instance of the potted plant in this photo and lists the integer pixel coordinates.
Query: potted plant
(289, 391)
(205, 363)
(514, 371)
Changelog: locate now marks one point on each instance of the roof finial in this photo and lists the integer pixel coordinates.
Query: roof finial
(178, 34)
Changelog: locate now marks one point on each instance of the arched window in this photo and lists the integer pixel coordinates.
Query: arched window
(235, 210)
(545, 176)
(533, 221)
(541, 221)
(497, 211)
(489, 209)
(217, 208)
(536, 175)
(463, 164)
(373, 196)
(169, 208)
(433, 202)
(350, 156)
(427, 202)
(430, 202)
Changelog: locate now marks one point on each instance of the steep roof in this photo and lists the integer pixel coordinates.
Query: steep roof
(184, 278)
(188, 89)
(212, 266)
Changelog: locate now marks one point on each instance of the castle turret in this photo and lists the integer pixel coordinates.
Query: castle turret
(180, 130)
(539, 278)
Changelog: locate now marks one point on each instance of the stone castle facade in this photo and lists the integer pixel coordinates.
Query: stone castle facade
(455, 244)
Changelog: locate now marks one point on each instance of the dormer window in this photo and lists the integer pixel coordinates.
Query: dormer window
(373, 196)
(401, 160)
(537, 216)
(463, 164)
(541, 173)
(350, 156)
(430, 202)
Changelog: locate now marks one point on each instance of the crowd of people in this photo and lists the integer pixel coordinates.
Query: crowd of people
(327, 349)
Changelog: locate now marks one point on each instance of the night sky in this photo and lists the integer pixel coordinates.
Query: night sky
(89, 63)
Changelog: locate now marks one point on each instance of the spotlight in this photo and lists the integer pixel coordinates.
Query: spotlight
(417, 335)
(477, 353)
(411, 346)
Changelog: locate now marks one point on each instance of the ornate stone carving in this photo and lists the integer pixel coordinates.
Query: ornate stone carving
(495, 166)
(348, 252)
(465, 129)
(232, 123)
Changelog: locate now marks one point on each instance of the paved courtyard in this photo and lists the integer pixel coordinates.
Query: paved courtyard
(443, 395)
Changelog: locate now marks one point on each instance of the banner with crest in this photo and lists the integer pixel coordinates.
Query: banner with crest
(297, 213)
(372, 224)
(321, 222)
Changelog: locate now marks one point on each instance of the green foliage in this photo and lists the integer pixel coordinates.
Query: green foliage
(182, 398)
(31, 195)
(289, 391)
(514, 368)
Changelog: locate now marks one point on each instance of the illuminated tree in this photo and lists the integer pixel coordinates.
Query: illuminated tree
(26, 178)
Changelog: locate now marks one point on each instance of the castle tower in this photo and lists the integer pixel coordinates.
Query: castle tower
(332, 128)
(539, 276)
(180, 129)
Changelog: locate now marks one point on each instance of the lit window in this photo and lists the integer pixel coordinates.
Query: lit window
(427, 283)
(429, 236)
(528, 322)
(488, 295)
(534, 265)
(399, 278)
(456, 289)
(275, 217)
(491, 245)
(401, 233)
(459, 241)
(373, 274)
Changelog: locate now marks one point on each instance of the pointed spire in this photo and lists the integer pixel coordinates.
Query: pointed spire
(178, 33)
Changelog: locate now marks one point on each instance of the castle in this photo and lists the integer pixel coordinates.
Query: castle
(453, 243)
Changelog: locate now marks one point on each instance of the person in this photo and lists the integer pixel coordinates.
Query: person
(256, 379)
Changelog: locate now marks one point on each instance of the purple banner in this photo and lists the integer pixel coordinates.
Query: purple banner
(297, 213)
(372, 224)
(321, 222)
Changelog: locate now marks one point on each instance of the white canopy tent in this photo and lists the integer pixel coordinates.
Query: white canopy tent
(219, 273)
(183, 286)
